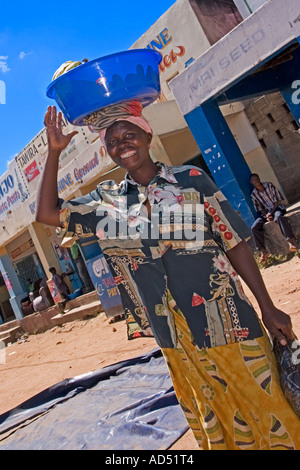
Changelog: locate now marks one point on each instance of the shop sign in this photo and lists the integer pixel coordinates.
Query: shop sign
(104, 283)
(162, 40)
(22, 249)
(239, 52)
(179, 38)
(171, 58)
(89, 164)
(77, 173)
(291, 94)
(12, 190)
(31, 160)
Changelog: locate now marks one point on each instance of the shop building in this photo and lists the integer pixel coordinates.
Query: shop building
(261, 133)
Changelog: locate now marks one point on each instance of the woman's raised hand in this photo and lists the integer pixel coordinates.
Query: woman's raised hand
(57, 141)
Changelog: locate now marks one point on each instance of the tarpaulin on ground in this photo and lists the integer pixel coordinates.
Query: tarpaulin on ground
(130, 405)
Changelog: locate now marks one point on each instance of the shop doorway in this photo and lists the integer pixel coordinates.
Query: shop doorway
(29, 270)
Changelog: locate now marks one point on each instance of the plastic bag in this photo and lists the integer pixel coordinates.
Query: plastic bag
(288, 362)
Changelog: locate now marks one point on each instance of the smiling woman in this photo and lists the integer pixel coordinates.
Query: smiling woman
(128, 146)
(184, 284)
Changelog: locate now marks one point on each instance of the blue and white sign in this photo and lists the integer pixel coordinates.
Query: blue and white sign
(291, 94)
(13, 190)
(254, 41)
(104, 283)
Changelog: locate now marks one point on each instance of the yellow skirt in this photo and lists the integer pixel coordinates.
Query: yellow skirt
(231, 395)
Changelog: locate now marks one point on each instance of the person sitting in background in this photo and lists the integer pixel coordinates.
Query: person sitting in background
(268, 202)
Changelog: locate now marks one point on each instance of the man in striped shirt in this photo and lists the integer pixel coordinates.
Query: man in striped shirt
(268, 202)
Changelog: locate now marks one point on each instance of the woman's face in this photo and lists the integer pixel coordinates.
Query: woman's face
(128, 145)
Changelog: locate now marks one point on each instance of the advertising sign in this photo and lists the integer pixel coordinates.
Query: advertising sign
(82, 160)
(31, 159)
(291, 94)
(104, 283)
(57, 298)
(83, 168)
(13, 190)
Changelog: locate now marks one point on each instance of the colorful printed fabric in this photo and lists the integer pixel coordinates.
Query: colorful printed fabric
(130, 111)
(231, 395)
(105, 117)
(176, 262)
(159, 254)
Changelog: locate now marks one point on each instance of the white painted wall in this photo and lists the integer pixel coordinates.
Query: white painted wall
(178, 36)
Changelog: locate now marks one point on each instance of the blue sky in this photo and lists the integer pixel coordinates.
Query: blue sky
(37, 37)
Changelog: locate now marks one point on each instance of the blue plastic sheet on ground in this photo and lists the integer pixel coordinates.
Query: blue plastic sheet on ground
(130, 405)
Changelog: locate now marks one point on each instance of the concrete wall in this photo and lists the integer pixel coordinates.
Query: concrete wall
(279, 136)
(248, 142)
(216, 18)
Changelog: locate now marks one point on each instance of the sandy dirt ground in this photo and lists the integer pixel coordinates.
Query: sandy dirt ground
(39, 361)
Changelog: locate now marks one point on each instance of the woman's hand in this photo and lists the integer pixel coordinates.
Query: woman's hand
(57, 141)
(48, 208)
(279, 324)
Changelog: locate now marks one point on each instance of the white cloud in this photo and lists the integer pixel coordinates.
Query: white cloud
(23, 54)
(3, 64)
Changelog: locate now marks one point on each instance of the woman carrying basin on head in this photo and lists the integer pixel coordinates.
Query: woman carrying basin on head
(217, 351)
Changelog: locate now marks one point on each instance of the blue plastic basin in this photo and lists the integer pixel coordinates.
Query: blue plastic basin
(132, 74)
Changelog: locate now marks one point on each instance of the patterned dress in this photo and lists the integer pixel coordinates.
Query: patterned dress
(175, 262)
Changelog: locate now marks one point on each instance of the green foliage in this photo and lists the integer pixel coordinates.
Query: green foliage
(274, 259)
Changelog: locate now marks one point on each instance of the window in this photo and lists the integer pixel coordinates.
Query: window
(262, 143)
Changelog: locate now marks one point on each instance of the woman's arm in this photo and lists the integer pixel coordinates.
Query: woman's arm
(47, 199)
(277, 322)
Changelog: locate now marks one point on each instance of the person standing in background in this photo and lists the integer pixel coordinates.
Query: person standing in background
(87, 285)
(60, 284)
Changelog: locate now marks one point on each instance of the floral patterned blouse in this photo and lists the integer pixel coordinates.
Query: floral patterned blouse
(179, 250)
